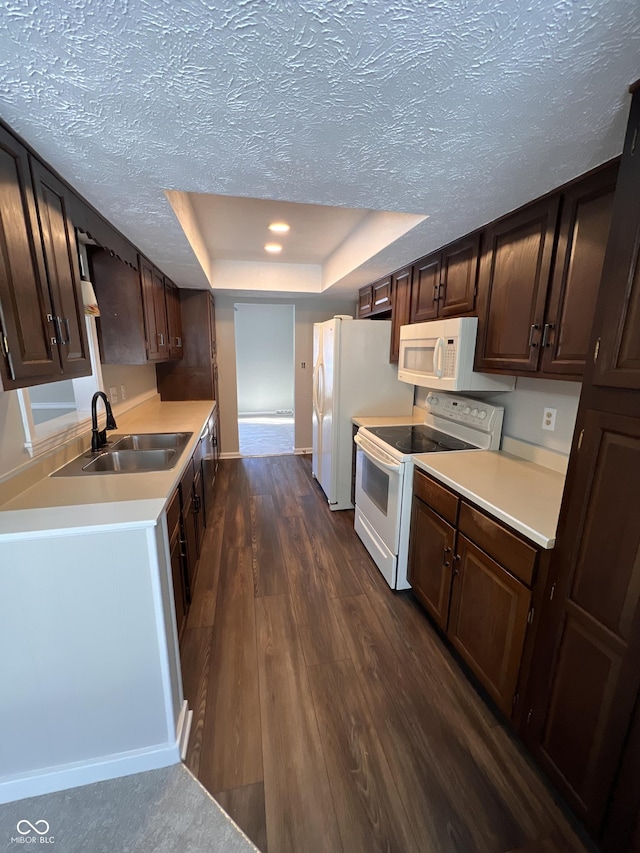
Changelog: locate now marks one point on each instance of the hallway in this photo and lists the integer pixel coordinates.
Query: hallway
(328, 715)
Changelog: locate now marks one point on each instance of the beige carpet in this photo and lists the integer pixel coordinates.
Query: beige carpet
(265, 436)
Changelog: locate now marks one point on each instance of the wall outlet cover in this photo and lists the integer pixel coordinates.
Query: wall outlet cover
(549, 419)
(113, 394)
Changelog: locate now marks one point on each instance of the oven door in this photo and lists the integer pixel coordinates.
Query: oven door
(379, 480)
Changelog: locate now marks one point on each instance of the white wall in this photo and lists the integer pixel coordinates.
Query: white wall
(264, 357)
(308, 311)
(524, 406)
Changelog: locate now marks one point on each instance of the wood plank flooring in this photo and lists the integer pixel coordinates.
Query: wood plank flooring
(328, 714)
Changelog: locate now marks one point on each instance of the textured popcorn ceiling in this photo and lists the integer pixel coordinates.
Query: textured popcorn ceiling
(462, 109)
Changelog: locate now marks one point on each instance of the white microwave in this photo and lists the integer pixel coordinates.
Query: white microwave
(440, 353)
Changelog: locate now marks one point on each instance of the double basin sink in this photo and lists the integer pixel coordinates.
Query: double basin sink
(151, 451)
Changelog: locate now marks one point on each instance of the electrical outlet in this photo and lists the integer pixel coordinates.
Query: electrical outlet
(113, 394)
(549, 419)
(123, 393)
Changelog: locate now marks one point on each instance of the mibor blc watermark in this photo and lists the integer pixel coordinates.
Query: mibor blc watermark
(33, 833)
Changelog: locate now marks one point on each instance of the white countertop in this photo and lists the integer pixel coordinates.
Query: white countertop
(523, 495)
(108, 500)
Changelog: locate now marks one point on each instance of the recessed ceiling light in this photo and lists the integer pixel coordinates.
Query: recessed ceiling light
(274, 248)
(279, 227)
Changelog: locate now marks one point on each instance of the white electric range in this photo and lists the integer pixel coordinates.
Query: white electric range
(384, 471)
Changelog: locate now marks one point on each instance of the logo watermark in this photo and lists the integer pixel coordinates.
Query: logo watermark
(33, 833)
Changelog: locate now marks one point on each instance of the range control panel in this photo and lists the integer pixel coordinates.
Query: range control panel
(474, 413)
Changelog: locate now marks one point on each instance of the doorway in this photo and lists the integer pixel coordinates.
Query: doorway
(264, 336)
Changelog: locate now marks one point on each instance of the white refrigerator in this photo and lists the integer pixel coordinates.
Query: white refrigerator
(351, 377)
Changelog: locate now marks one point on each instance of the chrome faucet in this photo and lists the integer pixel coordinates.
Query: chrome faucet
(99, 437)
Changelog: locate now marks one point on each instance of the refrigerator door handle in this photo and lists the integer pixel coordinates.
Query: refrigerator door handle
(321, 387)
(315, 388)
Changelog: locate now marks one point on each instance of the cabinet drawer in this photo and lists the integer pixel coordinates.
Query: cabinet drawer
(436, 496)
(499, 542)
(173, 512)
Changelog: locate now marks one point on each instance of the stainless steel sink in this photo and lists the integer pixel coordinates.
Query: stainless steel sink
(130, 461)
(152, 451)
(152, 441)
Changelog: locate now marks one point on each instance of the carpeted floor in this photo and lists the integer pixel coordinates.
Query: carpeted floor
(265, 436)
(162, 811)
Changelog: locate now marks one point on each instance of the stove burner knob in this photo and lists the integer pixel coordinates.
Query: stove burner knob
(482, 414)
(432, 401)
(467, 409)
(474, 413)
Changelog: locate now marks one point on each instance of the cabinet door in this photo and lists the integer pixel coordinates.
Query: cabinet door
(148, 304)
(586, 667)
(28, 350)
(174, 319)
(512, 288)
(382, 295)
(365, 301)
(212, 330)
(160, 312)
(582, 240)
(458, 277)
(488, 621)
(430, 559)
(401, 287)
(425, 288)
(179, 596)
(618, 321)
(63, 273)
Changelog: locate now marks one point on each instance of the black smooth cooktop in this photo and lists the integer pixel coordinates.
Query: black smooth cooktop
(419, 439)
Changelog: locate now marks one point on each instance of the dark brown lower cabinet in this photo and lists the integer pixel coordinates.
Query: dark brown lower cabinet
(177, 561)
(587, 671)
(189, 527)
(430, 562)
(488, 621)
(476, 578)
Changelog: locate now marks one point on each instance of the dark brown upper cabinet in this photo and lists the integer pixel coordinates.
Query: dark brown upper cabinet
(617, 345)
(63, 272)
(582, 240)
(512, 288)
(42, 335)
(375, 299)
(155, 311)
(365, 301)
(445, 282)
(401, 298)
(174, 319)
(536, 312)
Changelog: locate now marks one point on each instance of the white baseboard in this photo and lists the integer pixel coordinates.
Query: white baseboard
(61, 778)
(236, 455)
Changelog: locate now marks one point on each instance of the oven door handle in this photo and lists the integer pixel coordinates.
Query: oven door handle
(377, 460)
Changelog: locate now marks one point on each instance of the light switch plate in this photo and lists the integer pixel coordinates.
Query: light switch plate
(113, 394)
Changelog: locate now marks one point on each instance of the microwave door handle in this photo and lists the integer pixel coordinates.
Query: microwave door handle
(439, 366)
(368, 451)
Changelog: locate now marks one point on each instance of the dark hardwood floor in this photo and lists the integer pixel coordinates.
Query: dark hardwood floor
(328, 714)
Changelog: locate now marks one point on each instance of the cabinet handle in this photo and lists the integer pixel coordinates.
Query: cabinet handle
(196, 503)
(545, 334)
(178, 341)
(54, 320)
(444, 557)
(161, 337)
(66, 325)
(532, 332)
(436, 289)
